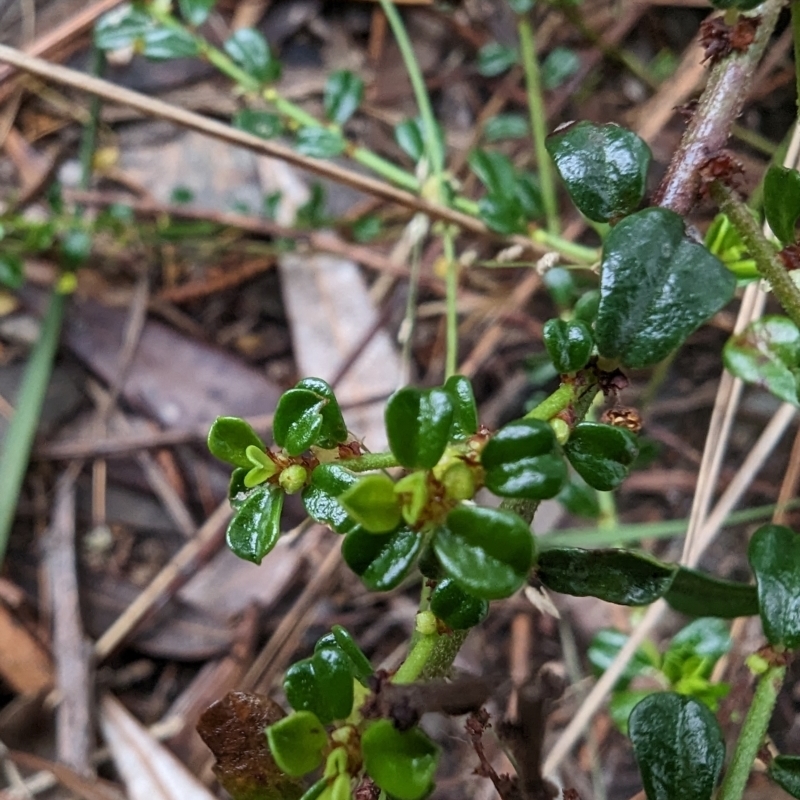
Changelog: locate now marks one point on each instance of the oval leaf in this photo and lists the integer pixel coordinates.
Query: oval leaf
(371, 501)
(333, 430)
(195, 12)
(381, 561)
(785, 771)
(418, 426)
(649, 298)
(465, 411)
(495, 59)
(259, 123)
(458, 609)
(487, 551)
(402, 763)
(230, 437)
(343, 94)
(494, 170)
(603, 166)
(256, 528)
(320, 143)
(296, 743)
(616, 576)
(782, 201)
(774, 555)
(162, 44)
(678, 745)
(522, 460)
(297, 423)
(569, 343)
(121, 28)
(601, 454)
(322, 684)
(340, 639)
(699, 595)
(767, 353)
(249, 49)
(321, 497)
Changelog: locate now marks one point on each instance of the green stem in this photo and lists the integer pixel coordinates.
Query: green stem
(578, 252)
(89, 139)
(415, 663)
(536, 108)
(451, 362)
(369, 461)
(761, 250)
(751, 736)
(554, 403)
(22, 430)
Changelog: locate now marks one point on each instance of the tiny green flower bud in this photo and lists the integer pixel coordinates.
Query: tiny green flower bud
(426, 623)
(560, 429)
(293, 478)
(757, 664)
(459, 482)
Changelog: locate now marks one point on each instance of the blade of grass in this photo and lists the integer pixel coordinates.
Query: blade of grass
(19, 439)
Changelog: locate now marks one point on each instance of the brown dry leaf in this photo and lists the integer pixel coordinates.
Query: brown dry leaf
(148, 769)
(24, 664)
(233, 729)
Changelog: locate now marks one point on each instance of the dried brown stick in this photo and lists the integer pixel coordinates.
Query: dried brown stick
(71, 651)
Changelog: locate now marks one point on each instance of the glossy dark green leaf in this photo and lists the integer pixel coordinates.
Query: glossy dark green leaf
(495, 59)
(529, 195)
(569, 343)
(256, 528)
(502, 213)
(774, 555)
(410, 135)
(604, 167)
(298, 421)
(372, 502)
(230, 437)
(402, 763)
(465, 411)
(12, 271)
(785, 771)
(603, 650)
(196, 12)
(494, 170)
(601, 454)
(320, 143)
(259, 123)
(249, 49)
(782, 201)
(559, 66)
(458, 609)
(699, 595)
(678, 745)
(506, 126)
(767, 353)
(650, 303)
(340, 639)
(522, 460)
(121, 28)
(334, 430)
(296, 743)
(616, 576)
(322, 684)
(487, 551)
(344, 91)
(321, 497)
(237, 491)
(418, 425)
(586, 306)
(162, 44)
(382, 561)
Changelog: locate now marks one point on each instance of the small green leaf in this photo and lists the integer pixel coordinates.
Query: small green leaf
(12, 271)
(249, 49)
(382, 561)
(601, 454)
(196, 12)
(305, 416)
(495, 59)
(678, 745)
(229, 439)
(785, 771)
(724, 241)
(579, 498)
(256, 528)
(586, 306)
(782, 202)
(767, 353)
(505, 126)
(559, 66)
(603, 166)
(297, 742)
(259, 123)
(321, 497)
(695, 649)
(494, 170)
(522, 460)
(410, 135)
(322, 684)
(503, 213)
(263, 467)
(343, 94)
(340, 639)
(650, 303)
(616, 576)
(320, 143)
(418, 425)
(121, 28)
(605, 646)
(529, 195)
(458, 609)
(487, 551)
(402, 763)
(465, 411)
(774, 555)
(334, 430)
(371, 501)
(569, 344)
(237, 491)
(162, 44)
(413, 495)
(697, 594)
